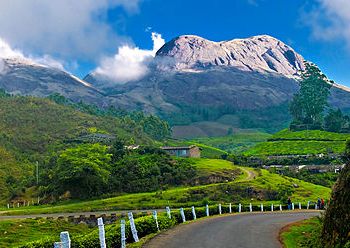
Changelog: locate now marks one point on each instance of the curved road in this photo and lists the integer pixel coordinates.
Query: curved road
(258, 230)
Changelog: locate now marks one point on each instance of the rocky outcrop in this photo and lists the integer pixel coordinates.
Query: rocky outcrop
(261, 53)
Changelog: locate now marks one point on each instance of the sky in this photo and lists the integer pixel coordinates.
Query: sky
(117, 37)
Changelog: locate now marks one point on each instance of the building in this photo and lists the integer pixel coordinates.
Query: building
(183, 151)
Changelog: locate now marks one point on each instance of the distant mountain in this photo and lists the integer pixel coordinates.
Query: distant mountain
(199, 85)
(25, 77)
(242, 83)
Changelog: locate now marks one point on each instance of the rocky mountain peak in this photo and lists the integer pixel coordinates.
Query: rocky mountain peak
(258, 53)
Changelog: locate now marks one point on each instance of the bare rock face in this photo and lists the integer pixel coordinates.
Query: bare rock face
(261, 53)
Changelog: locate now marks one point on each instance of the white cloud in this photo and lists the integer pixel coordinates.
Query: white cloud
(130, 63)
(63, 28)
(330, 20)
(7, 52)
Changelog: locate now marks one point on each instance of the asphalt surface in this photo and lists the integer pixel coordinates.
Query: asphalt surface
(256, 230)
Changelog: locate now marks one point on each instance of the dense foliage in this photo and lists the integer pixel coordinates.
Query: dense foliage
(34, 129)
(309, 103)
(89, 170)
(336, 226)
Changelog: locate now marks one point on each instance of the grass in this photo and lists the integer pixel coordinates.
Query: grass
(305, 142)
(243, 189)
(319, 135)
(296, 148)
(20, 232)
(295, 235)
(237, 142)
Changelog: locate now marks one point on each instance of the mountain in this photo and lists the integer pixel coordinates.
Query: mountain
(21, 76)
(261, 53)
(206, 88)
(202, 87)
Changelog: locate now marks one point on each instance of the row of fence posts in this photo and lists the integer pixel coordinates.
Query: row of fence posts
(66, 242)
(21, 204)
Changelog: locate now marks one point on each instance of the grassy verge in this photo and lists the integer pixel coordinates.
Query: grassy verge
(300, 234)
(20, 232)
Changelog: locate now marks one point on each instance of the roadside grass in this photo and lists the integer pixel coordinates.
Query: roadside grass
(15, 233)
(242, 190)
(297, 234)
(237, 142)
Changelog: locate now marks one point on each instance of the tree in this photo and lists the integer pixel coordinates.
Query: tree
(309, 103)
(117, 150)
(336, 225)
(83, 171)
(334, 121)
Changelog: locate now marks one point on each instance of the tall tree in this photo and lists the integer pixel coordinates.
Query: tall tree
(334, 121)
(83, 170)
(309, 103)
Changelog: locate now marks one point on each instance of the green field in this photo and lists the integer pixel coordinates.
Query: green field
(299, 234)
(250, 186)
(300, 143)
(237, 142)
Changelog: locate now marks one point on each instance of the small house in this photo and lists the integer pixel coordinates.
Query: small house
(183, 151)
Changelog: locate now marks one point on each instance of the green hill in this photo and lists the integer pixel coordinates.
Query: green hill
(308, 142)
(249, 185)
(31, 129)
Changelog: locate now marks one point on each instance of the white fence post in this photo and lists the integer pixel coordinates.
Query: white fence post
(220, 209)
(293, 206)
(122, 232)
(182, 215)
(207, 209)
(194, 213)
(101, 232)
(262, 207)
(168, 212)
(272, 207)
(308, 205)
(133, 227)
(8, 205)
(316, 207)
(250, 207)
(299, 206)
(156, 219)
(281, 207)
(230, 208)
(57, 245)
(239, 208)
(65, 240)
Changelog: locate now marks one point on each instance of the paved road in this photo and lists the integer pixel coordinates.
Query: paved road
(234, 231)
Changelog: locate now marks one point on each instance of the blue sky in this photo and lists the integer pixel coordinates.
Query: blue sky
(81, 35)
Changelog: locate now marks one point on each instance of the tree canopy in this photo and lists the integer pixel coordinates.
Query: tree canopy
(308, 105)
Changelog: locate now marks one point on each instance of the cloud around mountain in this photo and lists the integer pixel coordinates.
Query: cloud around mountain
(129, 63)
